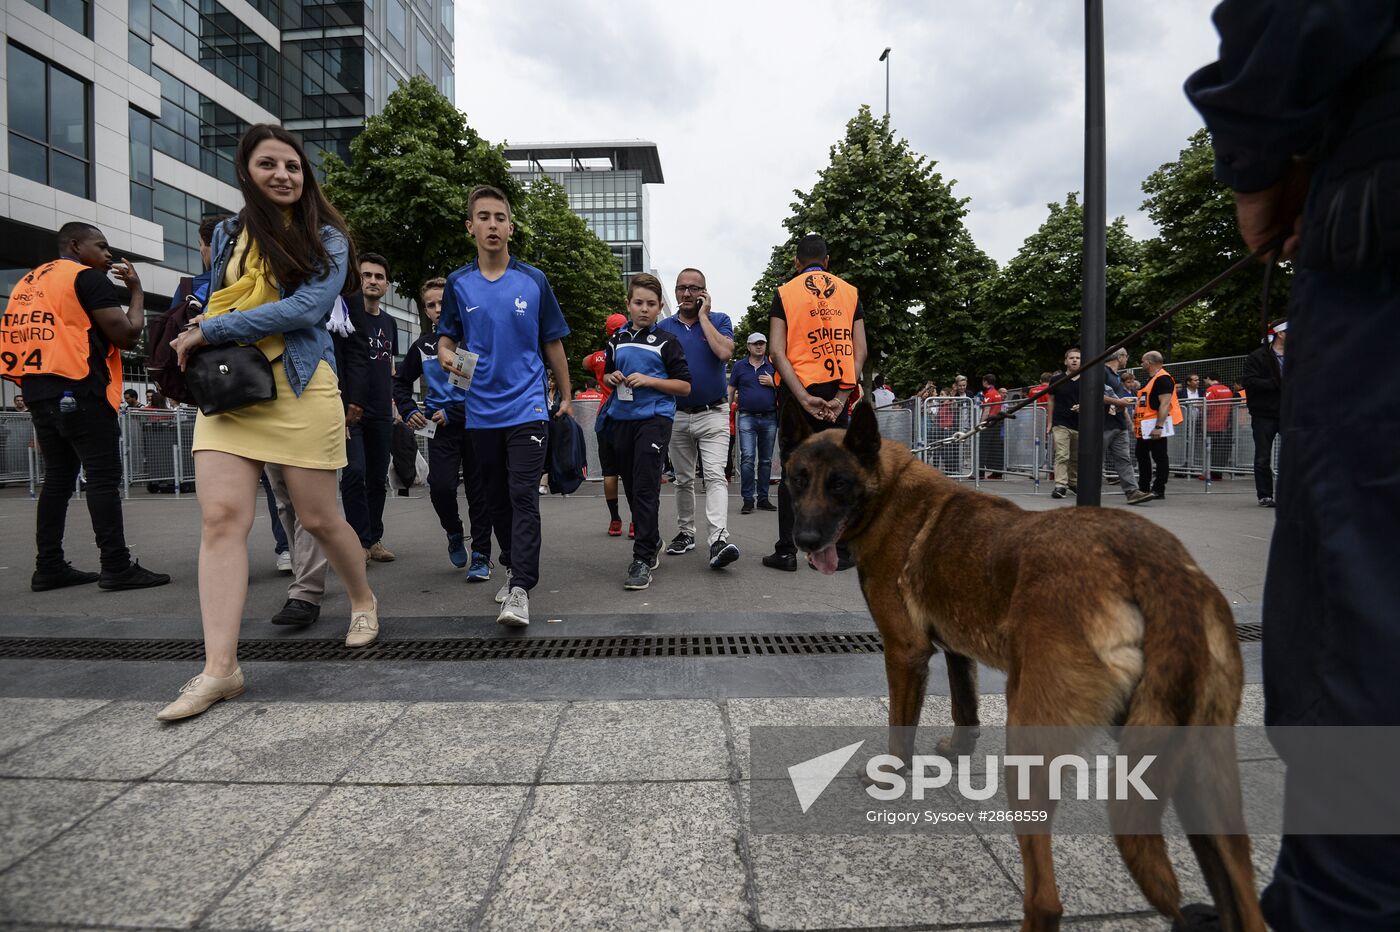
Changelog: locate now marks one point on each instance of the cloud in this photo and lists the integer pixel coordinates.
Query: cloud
(744, 101)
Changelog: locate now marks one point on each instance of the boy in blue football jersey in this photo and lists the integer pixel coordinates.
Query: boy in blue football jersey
(646, 368)
(503, 311)
(450, 457)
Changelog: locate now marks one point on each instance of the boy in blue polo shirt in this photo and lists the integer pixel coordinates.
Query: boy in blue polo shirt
(646, 367)
(503, 311)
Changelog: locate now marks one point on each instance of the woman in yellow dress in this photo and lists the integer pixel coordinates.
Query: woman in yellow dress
(278, 268)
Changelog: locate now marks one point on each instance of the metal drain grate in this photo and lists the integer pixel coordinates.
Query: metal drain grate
(585, 648)
(525, 648)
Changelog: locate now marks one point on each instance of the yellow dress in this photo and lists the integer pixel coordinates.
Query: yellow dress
(306, 430)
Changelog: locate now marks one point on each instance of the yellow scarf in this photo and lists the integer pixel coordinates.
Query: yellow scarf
(254, 288)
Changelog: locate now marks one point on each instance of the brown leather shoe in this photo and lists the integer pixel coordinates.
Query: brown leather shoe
(364, 627)
(381, 554)
(202, 692)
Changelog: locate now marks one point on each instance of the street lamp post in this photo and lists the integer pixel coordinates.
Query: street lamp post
(885, 57)
(1092, 316)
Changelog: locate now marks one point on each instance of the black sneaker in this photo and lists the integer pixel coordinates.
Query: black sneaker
(134, 576)
(638, 576)
(1160, 495)
(747, 509)
(765, 505)
(68, 576)
(781, 561)
(1059, 492)
(681, 544)
(1266, 502)
(297, 612)
(722, 553)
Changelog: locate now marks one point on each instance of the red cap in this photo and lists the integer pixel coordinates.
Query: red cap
(615, 323)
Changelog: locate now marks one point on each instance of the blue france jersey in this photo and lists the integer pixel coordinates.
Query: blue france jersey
(505, 322)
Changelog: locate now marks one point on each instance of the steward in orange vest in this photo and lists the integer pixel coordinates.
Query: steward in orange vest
(816, 337)
(61, 339)
(1153, 459)
(1147, 400)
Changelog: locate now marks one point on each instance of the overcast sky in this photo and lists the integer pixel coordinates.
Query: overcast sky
(744, 100)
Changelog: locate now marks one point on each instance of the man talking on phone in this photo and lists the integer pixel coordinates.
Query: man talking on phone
(61, 339)
(701, 431)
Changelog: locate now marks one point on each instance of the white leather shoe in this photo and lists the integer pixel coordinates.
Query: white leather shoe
(202, 692)
(364, 627)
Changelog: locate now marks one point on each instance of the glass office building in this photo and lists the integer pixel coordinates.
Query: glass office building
(606, 183)
(127, 113)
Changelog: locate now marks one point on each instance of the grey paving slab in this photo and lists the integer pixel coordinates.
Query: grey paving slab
(373, 858)
(748, 713)
(289, 742)
(158, 856)
(639, 740)
(122, 741)
(34, 811)
(842, 881)
(28, 719)
(623, 857)
(461, 742)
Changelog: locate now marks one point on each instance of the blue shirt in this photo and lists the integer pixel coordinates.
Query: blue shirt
(505, 322)
(438, 393)
(753, 397)
(707, 375)
(654, 352)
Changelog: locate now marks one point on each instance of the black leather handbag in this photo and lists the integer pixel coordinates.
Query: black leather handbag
(228, 377)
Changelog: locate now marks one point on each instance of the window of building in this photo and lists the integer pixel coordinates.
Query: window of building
(142, 178)
(49, 117)
(71, 13)
(371, 84)
(423, 52)
(195, 130)
(447, 17)
(223, 44)
(179, 215)
(398, 21)
(448, 85)
(322, 140)
(332, 78)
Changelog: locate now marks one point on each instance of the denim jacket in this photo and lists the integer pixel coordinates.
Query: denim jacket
(300, 316)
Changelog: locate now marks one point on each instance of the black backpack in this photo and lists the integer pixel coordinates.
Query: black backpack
(567, 456)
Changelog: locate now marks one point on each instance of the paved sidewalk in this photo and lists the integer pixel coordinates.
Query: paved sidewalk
(495, 794)
(518, 815)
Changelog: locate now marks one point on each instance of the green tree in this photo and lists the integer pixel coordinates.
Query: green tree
(1034, 304)
(891, 222)
(404, 192)
(586, 277)
(1197, 239)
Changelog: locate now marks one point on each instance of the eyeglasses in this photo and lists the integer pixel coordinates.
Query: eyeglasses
(685, 288)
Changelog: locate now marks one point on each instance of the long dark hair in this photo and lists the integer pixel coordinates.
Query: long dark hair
(294, 251)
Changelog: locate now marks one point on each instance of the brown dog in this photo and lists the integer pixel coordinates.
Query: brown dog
(1102, 636)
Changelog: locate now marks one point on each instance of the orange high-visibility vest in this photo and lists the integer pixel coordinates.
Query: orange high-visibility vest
(1146, 405)
(46, 331)
(821, 315)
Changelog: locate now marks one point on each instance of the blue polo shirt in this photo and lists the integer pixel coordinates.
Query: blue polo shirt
(652, 352)
(753, 397)
(708, 384)
(505, 322)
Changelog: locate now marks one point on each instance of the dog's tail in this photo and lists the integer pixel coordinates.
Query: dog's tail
(1192, 675)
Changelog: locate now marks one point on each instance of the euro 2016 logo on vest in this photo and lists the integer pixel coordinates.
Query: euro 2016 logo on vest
(827, 289)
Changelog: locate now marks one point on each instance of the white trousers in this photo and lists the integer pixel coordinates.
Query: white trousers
(706, 435)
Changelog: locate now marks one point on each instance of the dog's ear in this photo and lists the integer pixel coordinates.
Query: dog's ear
(863, 436)
(792, 426)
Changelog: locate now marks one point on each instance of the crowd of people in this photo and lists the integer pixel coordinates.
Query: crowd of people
(283, 276)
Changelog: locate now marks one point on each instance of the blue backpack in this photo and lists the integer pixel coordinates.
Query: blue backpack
(568, 457)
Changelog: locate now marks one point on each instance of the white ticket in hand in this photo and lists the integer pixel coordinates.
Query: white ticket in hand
(467, 363)
(428, 430)
(624, 391)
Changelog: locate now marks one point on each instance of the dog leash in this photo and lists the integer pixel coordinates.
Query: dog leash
(1270, 250)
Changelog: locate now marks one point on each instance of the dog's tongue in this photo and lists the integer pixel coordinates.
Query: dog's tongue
(825, 559)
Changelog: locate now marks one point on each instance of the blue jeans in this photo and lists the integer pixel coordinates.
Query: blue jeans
(756, 435)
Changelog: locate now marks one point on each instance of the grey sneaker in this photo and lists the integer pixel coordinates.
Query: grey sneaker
(722, 553)
(515, 610)
(638, 576)
(504, 592)
(681, 544)
(1140, 497)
